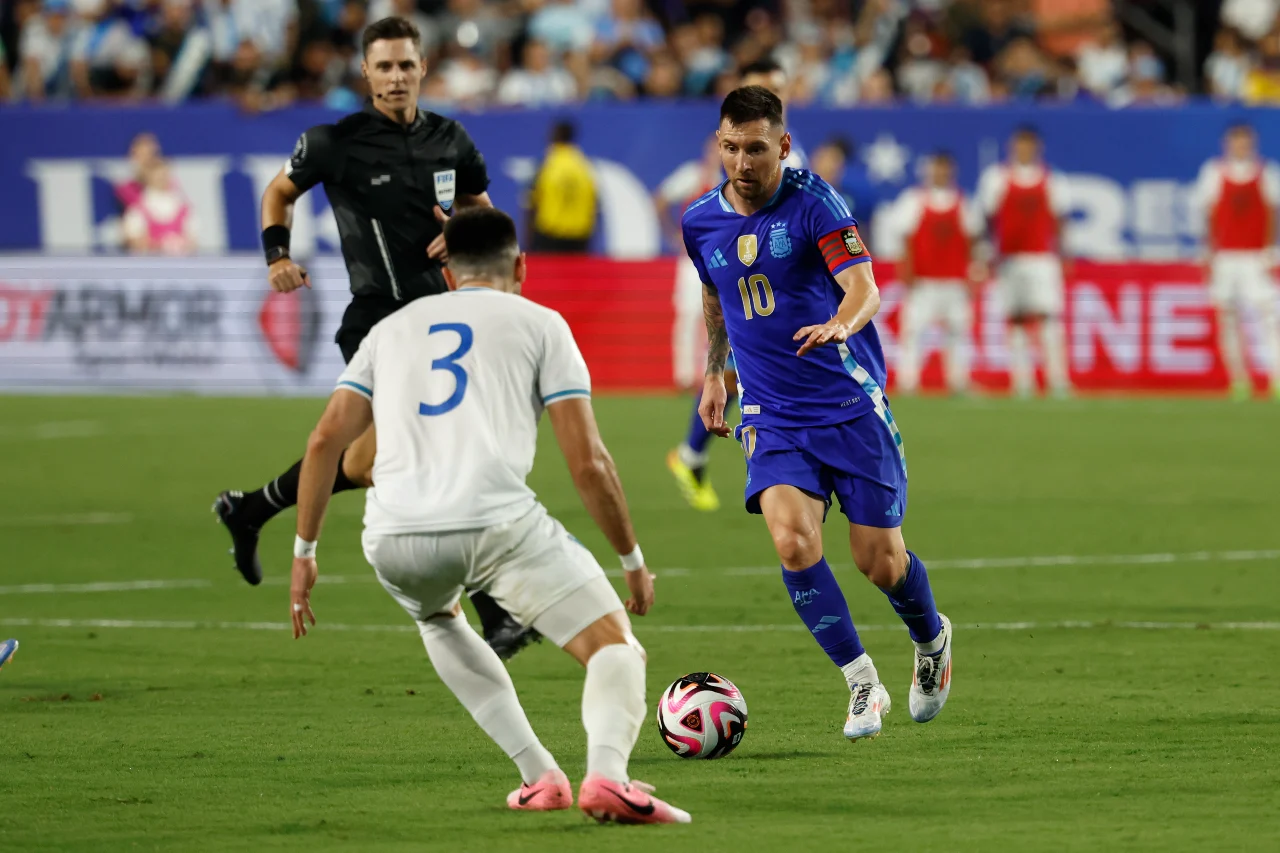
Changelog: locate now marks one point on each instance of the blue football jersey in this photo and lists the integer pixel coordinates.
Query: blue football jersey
(775, 273)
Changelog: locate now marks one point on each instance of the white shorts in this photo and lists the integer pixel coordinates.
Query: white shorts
(1240, 280)
(532, 566)
(939, 300)
(1031, 285)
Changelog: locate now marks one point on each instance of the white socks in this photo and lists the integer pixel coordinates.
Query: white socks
(1229, 340)
(613, 709)
(472, 670)
(1053, 346)
(860, 670)
(1020, 370)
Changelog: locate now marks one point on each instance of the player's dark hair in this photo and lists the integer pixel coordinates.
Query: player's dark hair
(942, 155)
(390, 29)
(761, 66)
(1240, 127)
(563, 131)
(751, 103)
(1026, 131)
(843, 144)
(481, 241)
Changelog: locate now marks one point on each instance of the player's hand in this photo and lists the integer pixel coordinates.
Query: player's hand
(304, 578)
(285, 276)
(640, 584)
(437, 250)
(711, 409)
(834, 330)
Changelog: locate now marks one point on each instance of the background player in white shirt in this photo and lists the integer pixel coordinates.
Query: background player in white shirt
(1239, 193)
(940, 229)
(455, 386)
(1027, 203)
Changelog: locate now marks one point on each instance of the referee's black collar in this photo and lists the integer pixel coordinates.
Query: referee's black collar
(418, 120)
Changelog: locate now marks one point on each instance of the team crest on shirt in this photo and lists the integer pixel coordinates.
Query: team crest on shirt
(446, 187)
(779, 242)
(748, 249)
(852, 244)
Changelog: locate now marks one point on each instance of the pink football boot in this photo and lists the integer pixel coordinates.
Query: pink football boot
(549, 794)
(625, 802)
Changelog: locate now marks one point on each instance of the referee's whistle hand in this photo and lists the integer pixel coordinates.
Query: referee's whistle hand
(437, 250)
(285, 276)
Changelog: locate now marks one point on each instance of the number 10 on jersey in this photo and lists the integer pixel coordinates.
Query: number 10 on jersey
(757, 294)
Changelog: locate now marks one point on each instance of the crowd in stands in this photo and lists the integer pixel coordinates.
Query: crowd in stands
(269, 53)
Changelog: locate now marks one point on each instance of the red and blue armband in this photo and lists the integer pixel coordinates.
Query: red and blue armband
(843, 248)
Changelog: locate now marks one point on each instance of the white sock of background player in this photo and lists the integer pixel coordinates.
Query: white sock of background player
(613, 709)
(1269, 326)
(1053, 344)
(472, 670)
(1229, 341)
(1020, 370)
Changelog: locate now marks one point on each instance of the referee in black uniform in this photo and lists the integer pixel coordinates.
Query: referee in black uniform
(393, 173)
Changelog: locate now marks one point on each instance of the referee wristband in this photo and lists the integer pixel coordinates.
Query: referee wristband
(633, 561)
(304, 549)
(275, 238)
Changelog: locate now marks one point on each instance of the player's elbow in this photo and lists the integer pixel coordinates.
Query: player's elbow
(325, 439)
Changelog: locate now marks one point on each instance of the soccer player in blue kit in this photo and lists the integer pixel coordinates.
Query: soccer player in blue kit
(788, 284)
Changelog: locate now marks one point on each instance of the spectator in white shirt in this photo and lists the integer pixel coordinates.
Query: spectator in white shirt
(107, 59)
(1227, 67)
(539, 81)
(1102, 62)
(44, 52)
(1252, 18)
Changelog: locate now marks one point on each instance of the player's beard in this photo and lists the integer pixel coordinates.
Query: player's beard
(755, 189)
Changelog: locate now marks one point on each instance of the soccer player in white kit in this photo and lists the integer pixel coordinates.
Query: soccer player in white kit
(455, 386)
(939, 269)
(1239, 193)
(1027, 204)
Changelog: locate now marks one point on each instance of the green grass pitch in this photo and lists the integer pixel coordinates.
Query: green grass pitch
(177, 718)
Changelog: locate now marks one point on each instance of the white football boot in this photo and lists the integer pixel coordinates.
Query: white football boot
(931, 681)
(868, 699)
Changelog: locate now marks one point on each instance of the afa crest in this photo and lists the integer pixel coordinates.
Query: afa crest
(852, 244)
(748, 249)
(779, 242)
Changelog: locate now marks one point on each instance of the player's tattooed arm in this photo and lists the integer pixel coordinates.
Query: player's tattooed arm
(717, 334)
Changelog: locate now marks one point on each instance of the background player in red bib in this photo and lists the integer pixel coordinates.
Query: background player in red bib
(1026, 203)
(938, 267)
(1240, 192)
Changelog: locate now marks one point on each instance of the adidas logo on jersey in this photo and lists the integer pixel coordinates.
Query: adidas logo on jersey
(716, 261)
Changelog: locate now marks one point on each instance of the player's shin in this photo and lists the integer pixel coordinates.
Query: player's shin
(262, 505)
(1021, 371)
(471, 669)
(1053, 343)
(912, 599)
(820, 604)
(613, 709)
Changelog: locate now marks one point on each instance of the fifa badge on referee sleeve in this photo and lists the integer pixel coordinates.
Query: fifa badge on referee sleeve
(446, 187)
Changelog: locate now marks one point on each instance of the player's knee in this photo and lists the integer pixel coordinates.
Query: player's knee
(883, 565)
(798, 546)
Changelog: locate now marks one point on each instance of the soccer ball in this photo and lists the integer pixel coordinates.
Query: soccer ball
(702, 715)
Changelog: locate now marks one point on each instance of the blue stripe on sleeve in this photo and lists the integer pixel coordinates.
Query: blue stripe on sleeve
(572, 392)
(851, 262)
(356, 386)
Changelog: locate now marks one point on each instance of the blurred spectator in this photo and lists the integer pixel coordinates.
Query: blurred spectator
(6, 88)
(1024, 70)
(665, 78)
(1145, 85)
(160, 221)
(1262, 85)
(967, 81)
(468, 79)
(627, 39)
(107, 59)
(1103, 61)
(1252, 18)
(538, 82)
(45, 52)
(562, 204)
(836, 162)
(563, 25)
(995, 28)
(1227, 68)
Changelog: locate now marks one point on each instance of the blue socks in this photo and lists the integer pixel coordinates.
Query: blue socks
(913, 600)
(820, 604)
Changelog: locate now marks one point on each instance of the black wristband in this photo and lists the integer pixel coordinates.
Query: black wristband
(274, 238)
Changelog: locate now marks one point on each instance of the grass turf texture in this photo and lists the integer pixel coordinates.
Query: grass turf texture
(1054, 738)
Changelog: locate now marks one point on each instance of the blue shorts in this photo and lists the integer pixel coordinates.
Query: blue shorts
(861, 462)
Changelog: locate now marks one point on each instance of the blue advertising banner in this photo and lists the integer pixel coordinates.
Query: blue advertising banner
(1130, 171)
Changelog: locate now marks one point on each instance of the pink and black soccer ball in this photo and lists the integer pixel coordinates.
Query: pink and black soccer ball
(702, 715)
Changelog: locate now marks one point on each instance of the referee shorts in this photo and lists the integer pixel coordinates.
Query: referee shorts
(361, 315)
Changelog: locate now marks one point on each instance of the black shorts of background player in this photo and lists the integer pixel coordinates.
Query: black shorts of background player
(392, 173)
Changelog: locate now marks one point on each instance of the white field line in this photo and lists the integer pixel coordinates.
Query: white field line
(979, 563)
(68, 520)
(1085, 625)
